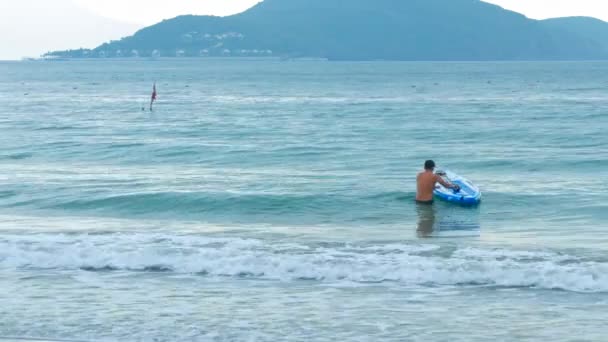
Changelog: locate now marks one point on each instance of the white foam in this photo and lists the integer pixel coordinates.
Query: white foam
(401, 264)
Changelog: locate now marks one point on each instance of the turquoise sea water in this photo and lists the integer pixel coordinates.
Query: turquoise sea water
(265, 201)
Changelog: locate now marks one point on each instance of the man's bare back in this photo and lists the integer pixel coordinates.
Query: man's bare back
(426, 181)
(426, 185)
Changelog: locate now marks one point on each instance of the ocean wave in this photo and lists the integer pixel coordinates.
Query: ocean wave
(280, 201)
(419, 95)
(17, 156)
(7, 194)
(397, 264)
(195, 202)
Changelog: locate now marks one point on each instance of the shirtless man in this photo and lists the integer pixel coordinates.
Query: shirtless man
(426, 181)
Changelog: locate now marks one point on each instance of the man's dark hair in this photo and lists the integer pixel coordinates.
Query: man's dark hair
(429, 165)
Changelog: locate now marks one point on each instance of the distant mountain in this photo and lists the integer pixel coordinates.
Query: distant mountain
(591, 29)
(367, 30)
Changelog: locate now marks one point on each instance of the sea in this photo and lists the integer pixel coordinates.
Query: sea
(266, 200)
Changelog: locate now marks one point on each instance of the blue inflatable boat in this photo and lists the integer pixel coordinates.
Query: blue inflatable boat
(469, 194)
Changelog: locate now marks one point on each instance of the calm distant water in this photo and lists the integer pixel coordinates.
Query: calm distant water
(265, 200)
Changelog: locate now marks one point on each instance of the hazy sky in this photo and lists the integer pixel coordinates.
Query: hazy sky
(32, 27)
(151, 11)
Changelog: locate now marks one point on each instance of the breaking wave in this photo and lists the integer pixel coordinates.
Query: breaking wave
(401, 264)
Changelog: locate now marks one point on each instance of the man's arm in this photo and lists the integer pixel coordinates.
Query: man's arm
(442, 181)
